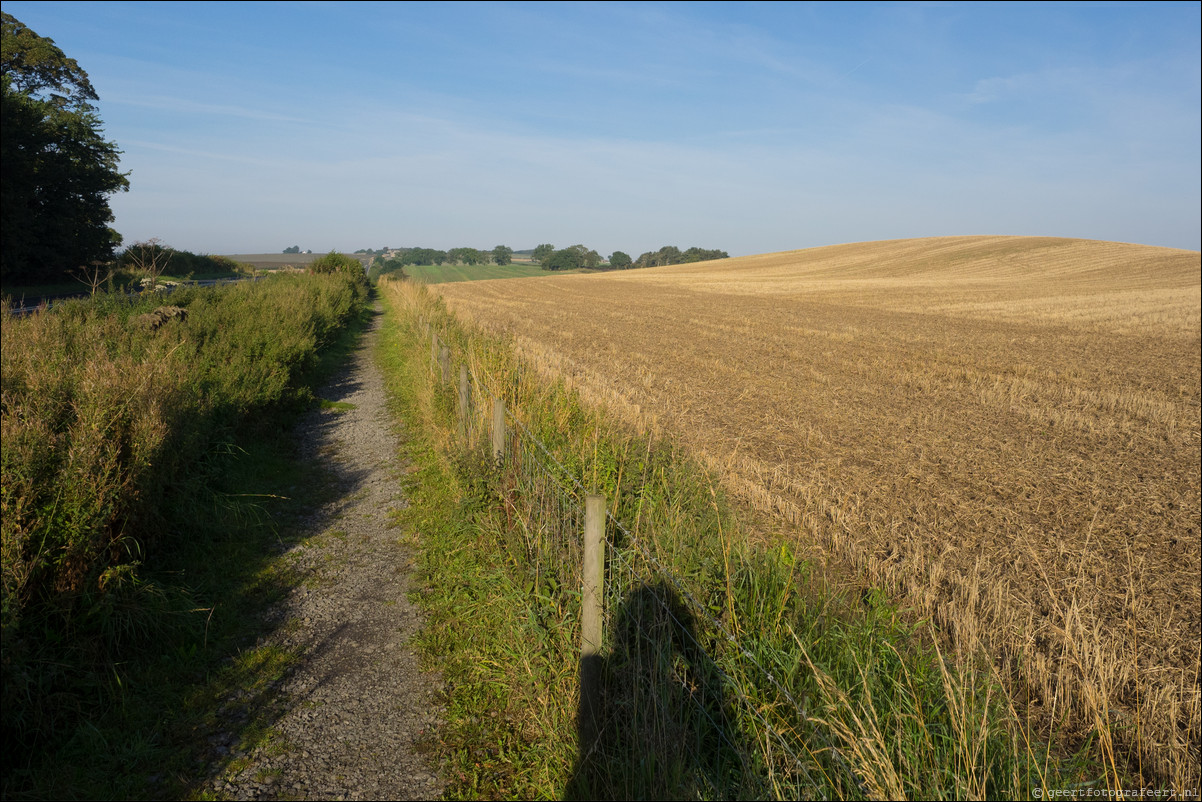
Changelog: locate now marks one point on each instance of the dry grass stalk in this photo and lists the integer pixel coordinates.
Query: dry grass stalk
(1003, 430)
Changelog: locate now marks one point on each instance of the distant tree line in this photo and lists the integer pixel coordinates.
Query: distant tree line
(500, 255)
(671, 255)
(576, 257)
(579, 257)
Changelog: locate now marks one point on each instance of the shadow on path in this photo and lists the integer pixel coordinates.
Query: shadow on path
(347, 703)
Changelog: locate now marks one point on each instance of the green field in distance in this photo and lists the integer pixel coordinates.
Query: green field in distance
(441, 274)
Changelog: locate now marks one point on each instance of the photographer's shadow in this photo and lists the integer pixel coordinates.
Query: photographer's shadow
(653, 720)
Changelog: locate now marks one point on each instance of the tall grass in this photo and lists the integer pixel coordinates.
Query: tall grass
(112, 432)
(814, 693)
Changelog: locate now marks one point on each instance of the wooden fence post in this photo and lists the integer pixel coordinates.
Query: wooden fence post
(593, 574)
(592, 616)
(498, 431)
(434, 348)
(463, 401)
(444, 364)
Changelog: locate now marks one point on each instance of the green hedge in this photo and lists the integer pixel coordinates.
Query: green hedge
(111, 419)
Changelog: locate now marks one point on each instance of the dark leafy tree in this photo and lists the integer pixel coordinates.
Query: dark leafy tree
(588, 258)
(34, 66)
(423, 256)
(620, 260)
(465, 256)
(58, 170)
(541, 253)
(671, 255)
(564, 259)
(702, 255)
(667, 255)
(502, 254)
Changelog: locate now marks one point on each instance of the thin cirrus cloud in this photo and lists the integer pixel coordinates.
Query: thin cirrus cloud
(166, 104)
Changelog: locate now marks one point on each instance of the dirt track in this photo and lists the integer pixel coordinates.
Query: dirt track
(351, 714)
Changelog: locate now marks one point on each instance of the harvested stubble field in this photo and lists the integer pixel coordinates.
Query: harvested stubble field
(1002, 430)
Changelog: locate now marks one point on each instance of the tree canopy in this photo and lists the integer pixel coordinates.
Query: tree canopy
(465, 256)
(421, 256)
(573, 258)
(58, 170)
(563, 259)
(502, 254)
(671, 255)
(35, 65)
(579, 257)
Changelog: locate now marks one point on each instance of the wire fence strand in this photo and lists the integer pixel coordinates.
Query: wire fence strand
(545, 502)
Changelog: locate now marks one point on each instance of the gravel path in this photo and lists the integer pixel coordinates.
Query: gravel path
(356, 706)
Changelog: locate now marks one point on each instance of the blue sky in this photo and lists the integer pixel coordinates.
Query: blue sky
(749, 127)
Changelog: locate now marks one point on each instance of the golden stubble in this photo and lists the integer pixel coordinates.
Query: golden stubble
(1002, 430)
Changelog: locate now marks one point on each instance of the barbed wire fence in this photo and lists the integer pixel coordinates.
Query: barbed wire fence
(739, 730)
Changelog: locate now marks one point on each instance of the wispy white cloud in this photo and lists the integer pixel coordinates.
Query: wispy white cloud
(987, 90)
(180, 105)
(130, 145)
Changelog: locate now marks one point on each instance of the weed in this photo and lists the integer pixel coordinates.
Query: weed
(336, 406)
(142, 476)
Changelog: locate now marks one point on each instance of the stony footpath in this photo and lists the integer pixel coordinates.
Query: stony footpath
(356, 707)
